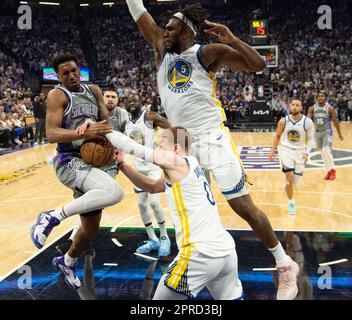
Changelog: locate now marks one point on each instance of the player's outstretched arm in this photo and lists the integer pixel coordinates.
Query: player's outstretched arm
(153, 34)
(139, 180)
(231, 51)
(158, 120)
(279, 131)
(56, 103)
(334, 119)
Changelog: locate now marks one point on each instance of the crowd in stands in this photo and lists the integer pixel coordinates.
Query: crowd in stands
(310, 59)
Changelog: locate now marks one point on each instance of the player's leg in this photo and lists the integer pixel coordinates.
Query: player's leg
(68, 263)
(154, 200)
(227, 285)
(288, 168)
(100, 191)
(328, 158)
(153, 242)
(62, 248)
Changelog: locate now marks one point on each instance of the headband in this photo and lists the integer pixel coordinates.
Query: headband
(186, 21)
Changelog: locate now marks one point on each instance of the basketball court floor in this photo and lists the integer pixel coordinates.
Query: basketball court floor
(319, 237)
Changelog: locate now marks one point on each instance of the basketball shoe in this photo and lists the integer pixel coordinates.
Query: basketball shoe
(292, 208)
(42, 228)
(287, 289)
(332, 174)
(165, 245)
(69, 272)
(149, 246)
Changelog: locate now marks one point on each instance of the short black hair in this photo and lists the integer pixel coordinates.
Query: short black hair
(111, 89)
(194, 12)
(62, 58)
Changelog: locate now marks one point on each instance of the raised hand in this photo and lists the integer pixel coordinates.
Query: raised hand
(220, 32)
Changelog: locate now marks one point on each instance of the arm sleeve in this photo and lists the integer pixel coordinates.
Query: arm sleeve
(136, 8)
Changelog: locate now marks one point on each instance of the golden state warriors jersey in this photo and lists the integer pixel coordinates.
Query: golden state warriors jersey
(295, 133)
(142, 132)
(188, 92)
(195, 215)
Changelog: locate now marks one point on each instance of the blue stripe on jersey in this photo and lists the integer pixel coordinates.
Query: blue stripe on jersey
(200, 58)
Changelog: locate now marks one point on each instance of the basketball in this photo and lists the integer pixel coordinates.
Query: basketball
(97, 152)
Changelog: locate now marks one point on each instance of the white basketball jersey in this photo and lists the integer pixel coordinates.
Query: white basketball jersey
(188, 92)
(295, 135)
(195, 215)
(143, 133)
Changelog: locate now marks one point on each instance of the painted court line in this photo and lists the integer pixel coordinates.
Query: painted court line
(332, 262)
(145, 256)
(111, 264)
(264, 269)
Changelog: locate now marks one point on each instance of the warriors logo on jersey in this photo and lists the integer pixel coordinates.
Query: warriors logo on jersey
(179, 76)
(293, 136)
(137, 136)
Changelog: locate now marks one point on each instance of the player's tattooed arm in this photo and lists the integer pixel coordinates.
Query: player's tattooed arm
(279, 131)
(158, 120)
(334, 119)
(153, 34)
(231, 51)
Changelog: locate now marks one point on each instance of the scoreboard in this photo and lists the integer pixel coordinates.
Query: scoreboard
(259, 29)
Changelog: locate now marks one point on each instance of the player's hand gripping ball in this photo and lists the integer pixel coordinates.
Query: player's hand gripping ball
(97, 152)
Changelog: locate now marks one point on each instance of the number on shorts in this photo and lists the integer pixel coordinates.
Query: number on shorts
(209, 193)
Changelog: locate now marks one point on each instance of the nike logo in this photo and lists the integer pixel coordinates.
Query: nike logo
(219, 137)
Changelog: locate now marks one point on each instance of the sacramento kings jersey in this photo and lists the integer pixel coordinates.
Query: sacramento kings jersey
(321, 117)
(119, 119)
(195, 215)
(188, 92)
(295, 134)
(143, 133)
(81, 105)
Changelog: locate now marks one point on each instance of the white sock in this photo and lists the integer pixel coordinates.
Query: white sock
(291, 201)
(58, 214)
(151, 232)
(280, 255)
(163, 232)
(69, 261)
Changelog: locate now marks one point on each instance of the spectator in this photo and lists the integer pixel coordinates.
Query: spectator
(39, 111)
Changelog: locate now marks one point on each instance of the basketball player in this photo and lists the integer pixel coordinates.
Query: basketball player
(322, 114)
(186, 83)
(207, 254)
(141, 129)
(118, 117)
(296, 133)
(68, 105)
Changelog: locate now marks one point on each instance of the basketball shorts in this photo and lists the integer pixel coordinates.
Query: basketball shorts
(152, 172)
(72, 171)
(189, 275)
(292, 160)
(217, 154)
(323, 139)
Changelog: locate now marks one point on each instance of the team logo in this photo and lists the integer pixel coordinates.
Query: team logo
(137, 136)
(293, 136)
(179, 76)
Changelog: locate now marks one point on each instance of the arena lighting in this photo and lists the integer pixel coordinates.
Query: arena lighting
(23, 2)
(84, 4)
(108, 4)
(50, 3)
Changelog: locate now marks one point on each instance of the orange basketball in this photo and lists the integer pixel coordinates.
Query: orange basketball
(97, 152)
